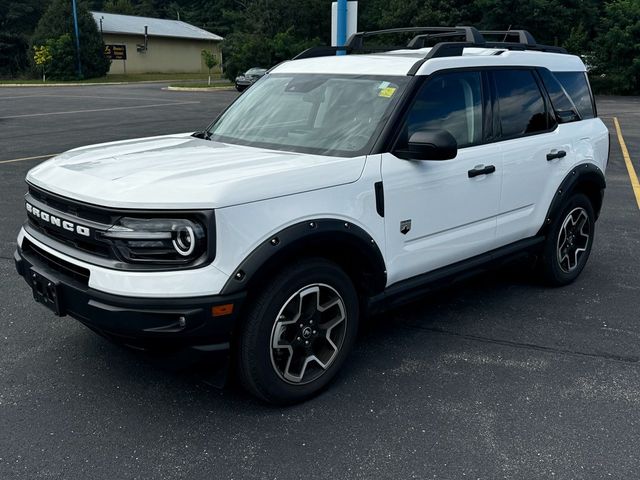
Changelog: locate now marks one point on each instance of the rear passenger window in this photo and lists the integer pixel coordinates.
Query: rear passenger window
(452, 102)
(560, 100)
(577, 86)
(522, 107)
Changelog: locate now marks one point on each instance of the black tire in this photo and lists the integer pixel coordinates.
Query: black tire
(239, 88)
(271, 314)
(558, 268)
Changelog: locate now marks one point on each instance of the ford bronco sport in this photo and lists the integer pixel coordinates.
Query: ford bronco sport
(337, 184)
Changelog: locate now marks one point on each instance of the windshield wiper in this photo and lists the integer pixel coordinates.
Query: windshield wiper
(203, 134)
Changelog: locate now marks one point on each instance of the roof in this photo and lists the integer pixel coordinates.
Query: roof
(400, 62)
(157, 27)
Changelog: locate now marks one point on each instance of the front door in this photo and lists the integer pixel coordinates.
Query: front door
(438, 212)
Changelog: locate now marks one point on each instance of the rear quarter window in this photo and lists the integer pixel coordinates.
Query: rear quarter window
(577, 86)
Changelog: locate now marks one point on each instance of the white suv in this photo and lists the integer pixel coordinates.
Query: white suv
(337, 184)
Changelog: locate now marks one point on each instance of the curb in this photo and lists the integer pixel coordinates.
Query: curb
(84, 84)
(198, 89)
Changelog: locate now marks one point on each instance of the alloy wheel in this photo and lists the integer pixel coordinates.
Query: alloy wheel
(573, 239)
(308, 333)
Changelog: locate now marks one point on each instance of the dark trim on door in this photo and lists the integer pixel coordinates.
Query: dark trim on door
(414, 287)
(379, 189)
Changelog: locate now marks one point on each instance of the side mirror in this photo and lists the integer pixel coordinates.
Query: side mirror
(430, 145)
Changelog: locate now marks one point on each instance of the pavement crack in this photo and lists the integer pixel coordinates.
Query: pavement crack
(530, 346)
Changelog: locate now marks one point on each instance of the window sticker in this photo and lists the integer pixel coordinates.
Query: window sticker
(387, 92)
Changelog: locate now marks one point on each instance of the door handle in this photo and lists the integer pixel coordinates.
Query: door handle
(554, 155)
(481, 170)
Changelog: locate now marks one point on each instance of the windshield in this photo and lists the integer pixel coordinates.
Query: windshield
(339, 115)
(255, 71)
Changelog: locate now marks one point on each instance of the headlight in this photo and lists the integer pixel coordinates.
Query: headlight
(158, 240)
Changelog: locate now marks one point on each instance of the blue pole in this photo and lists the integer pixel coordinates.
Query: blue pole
(341, 29)
(77, 30)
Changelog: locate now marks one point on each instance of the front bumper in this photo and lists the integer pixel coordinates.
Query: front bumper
(139, 322)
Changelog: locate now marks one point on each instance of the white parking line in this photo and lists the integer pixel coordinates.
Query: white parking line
(71, 112)
(18, 97)
(28, 158)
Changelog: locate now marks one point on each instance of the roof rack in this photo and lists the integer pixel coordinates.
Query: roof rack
(519, 40)
(470, 34)
(472, 38)
(523, 36)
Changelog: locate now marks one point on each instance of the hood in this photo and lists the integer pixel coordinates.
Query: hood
(180, 171)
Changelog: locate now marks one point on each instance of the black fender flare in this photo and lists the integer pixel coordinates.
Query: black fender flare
(580, 176)
(326, 233)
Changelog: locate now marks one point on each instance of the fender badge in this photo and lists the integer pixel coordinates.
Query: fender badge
(405, 226)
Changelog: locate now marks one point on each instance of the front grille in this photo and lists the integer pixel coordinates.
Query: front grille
(95, 218)
(76, 272)
(70, 207)
(96, 248)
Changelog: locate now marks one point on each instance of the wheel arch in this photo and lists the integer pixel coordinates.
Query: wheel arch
(584, 178)
(340, 241)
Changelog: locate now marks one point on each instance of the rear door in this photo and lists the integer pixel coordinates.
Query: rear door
(535, 152)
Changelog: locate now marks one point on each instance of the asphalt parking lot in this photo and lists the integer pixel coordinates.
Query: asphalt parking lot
(496, 378)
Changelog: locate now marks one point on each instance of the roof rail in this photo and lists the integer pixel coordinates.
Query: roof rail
(523, 36)
(472, 38)
(519, 46)
(320, 51)
(523, 41)
(470, 34)
(356, 41)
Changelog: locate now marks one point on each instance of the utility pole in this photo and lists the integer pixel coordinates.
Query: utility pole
(77, 30)
(341, 27)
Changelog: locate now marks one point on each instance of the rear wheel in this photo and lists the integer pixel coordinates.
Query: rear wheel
(298, 332)
(569, 242)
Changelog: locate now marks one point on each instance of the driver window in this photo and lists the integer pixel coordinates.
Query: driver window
(451, 101)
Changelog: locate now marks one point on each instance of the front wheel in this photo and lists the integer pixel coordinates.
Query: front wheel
(298, 332)
(569, 242)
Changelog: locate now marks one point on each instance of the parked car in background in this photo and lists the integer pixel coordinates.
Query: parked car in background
(249, 77)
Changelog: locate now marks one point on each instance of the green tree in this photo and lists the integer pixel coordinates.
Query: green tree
(42, 57)
(210, 61)
(17, 22)
(55, 23)
(617, 49)
(123, 7)
(63, 58)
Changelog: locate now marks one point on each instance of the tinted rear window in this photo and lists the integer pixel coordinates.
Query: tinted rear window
(522, 107)
(576, 85)
(559, 99)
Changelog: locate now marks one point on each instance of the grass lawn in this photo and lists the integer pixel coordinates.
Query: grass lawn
(137, 77)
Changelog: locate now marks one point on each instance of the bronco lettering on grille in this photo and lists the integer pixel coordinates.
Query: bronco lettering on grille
(57, 221)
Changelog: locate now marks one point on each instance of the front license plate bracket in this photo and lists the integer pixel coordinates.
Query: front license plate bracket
(46, 291)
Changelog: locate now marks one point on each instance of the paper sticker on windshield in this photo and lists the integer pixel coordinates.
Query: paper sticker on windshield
(387, 92)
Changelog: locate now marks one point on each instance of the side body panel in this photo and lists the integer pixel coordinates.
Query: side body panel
(243, 228)
(453, 217)
(530, 181)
